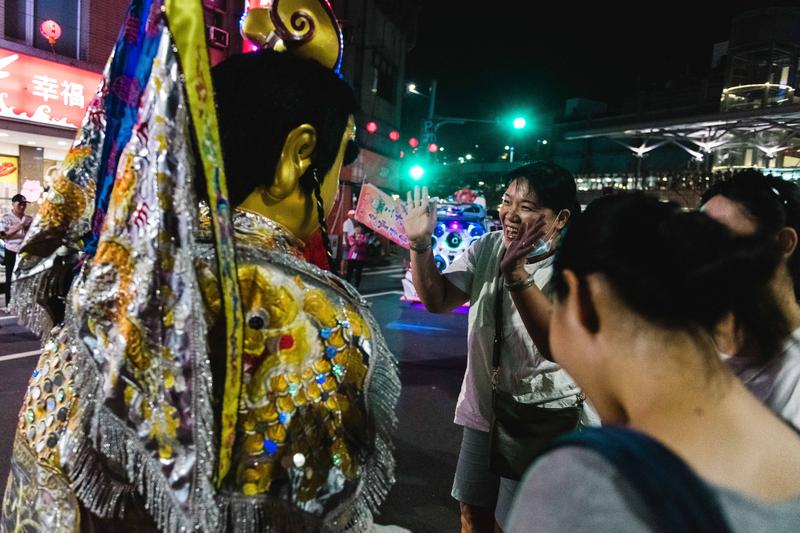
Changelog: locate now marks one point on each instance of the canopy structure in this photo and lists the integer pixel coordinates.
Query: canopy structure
(765, 138)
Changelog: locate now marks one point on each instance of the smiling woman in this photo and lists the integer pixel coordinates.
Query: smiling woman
(537, 205)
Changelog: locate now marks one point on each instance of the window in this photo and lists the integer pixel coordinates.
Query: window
(16, 20)
(24, 17)
(385, 78)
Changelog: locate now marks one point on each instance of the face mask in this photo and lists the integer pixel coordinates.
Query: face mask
(544, 245)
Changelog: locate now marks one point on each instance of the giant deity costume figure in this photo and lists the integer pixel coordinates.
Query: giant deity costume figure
(196, 372)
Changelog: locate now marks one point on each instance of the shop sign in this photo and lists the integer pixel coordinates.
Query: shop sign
(44, 92)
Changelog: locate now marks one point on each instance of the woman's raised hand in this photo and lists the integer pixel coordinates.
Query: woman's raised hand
(420, 220)
(513, 263)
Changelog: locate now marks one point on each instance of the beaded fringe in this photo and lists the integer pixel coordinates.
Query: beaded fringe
(23, 302)
(381, 397)
(106, 497)
(108, 439)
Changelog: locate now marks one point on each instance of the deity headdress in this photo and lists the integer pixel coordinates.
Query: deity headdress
(303, 28)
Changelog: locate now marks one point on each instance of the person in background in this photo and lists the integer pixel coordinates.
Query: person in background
(348, 230)
(356, 254)
(752, 204)
(13, 228)
(640, 288)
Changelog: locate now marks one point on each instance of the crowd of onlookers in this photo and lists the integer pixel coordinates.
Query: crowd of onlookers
(631, 367)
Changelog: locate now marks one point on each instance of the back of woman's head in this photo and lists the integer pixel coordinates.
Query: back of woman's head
(554, 186)
(771, 203)
(679, 270)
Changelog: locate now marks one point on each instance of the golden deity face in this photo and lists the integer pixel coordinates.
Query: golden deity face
(330, 186)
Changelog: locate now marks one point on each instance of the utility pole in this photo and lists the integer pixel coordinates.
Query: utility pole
(428, 130)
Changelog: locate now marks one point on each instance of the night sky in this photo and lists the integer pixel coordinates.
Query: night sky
(494, 59)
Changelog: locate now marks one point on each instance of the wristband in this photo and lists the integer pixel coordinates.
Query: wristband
(521, 284)
(419, 250)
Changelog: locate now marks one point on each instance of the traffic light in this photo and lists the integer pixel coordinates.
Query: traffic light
(372, 126)
(394, 135)
(413, 142)
(416, 172)
(520, 123)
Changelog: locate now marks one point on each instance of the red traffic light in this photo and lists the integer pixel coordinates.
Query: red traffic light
(413, 142)
(372, 126)
(394, 135)
(433, 147)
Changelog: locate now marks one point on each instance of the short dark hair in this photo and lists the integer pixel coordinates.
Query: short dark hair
(553, 185)
(772, 204)
(261, 97)
(677, 269)
(19, 198)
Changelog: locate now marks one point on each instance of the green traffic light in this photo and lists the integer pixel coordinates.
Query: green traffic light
(416, 172)
(520, 123)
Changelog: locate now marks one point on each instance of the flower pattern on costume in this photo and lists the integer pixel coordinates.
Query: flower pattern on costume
(304, 427)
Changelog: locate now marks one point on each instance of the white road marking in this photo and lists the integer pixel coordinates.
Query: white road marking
(387, 271)
(19, 355)
(374, 294)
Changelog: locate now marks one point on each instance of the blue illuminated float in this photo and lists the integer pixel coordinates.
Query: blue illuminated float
(458, 225)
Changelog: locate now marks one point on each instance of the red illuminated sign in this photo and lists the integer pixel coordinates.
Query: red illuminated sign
(36, 90)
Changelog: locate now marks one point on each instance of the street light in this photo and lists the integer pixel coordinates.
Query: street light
(412, 87)
(468, 157)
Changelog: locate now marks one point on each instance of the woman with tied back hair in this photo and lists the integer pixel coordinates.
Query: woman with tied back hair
(767, 208)
(640, 287)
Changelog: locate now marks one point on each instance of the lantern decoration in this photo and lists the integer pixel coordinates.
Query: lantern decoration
(50, 30)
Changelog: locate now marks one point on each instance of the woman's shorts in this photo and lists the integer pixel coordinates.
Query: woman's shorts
(474, 483)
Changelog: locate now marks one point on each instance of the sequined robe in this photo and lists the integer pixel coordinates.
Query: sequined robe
(311, 450)
(140, 400)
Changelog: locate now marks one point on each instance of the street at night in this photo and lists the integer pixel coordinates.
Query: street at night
(576, 227)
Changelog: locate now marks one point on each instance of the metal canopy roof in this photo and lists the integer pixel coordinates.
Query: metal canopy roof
(771, 130)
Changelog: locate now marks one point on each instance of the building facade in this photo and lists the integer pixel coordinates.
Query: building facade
(744, 114)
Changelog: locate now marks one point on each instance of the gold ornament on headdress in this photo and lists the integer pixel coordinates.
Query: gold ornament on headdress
(305, 28)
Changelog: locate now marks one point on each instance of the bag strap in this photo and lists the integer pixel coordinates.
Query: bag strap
(498, 324)
(676, 497)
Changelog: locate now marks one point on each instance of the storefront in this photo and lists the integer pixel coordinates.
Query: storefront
(42, 103)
